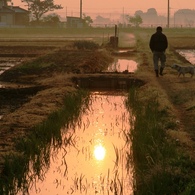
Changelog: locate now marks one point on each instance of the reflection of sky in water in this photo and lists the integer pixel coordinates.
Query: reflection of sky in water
(91, 170)
(189, 54)
(121, 65)
(4, 67)
(7, 63)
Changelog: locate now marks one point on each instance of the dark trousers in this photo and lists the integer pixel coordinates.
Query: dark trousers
(159, 56)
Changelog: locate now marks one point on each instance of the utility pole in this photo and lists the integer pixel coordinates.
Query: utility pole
(81, 5)
(168, 15)
(123, 17)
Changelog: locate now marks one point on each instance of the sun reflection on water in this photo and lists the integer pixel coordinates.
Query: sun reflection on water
(189, 54)
(94, 161)
(99, 152)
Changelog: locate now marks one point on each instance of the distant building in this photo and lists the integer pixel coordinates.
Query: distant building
(74, 22)
(13, 15)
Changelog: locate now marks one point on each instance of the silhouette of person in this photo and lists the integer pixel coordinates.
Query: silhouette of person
(158, 45)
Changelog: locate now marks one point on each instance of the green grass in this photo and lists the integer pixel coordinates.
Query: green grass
(15, 33)
(159, 167)
(52, 32)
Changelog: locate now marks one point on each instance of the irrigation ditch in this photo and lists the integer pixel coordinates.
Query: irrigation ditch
(92, 159)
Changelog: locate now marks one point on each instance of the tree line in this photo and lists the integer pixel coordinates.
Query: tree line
(39, 8)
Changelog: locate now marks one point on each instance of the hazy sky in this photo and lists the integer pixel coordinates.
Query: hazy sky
(130, 6)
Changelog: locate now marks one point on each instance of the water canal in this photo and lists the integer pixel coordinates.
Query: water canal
(96, 160)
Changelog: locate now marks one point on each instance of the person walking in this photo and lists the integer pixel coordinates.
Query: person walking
(158, 45)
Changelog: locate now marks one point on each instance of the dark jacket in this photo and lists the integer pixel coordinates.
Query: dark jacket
(158, 42)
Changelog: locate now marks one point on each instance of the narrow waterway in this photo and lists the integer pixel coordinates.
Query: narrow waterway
(96, 158)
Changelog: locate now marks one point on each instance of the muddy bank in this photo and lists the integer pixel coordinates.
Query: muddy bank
(13, 98)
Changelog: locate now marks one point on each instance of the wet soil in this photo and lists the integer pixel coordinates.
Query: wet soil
(13, 98)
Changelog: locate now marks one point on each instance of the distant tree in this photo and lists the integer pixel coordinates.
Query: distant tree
(139, 12)
(152, 12)
(51, 20)
(101, 20)
(135, 20)
(40, 7)
(87, 20)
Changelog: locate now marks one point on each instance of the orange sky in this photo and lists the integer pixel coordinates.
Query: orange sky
(130, 6)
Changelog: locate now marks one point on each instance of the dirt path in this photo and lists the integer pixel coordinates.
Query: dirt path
(184, 116)
(175, 94)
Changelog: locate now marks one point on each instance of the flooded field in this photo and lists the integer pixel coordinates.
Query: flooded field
(189, 54)
(96, 158)
(123, 65)
(6, 63)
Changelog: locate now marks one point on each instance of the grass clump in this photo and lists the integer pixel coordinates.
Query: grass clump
(84, 44)
(159, 167)
(32, 157)
(62, 60)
